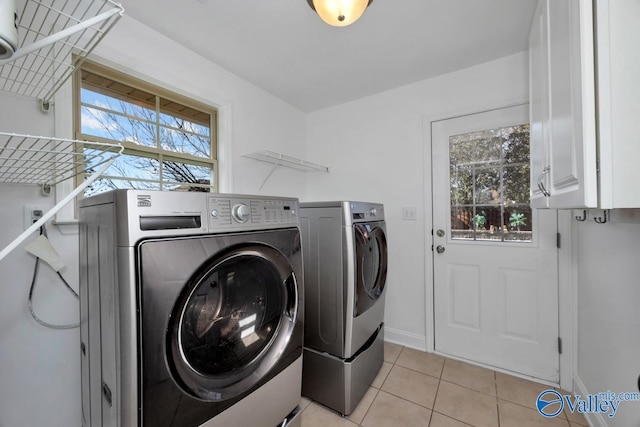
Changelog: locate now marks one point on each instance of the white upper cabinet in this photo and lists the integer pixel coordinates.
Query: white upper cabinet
(585, 104)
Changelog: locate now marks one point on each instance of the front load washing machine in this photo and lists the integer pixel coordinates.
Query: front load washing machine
(191, 310)
(345, 257)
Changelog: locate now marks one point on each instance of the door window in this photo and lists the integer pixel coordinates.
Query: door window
(489, 185)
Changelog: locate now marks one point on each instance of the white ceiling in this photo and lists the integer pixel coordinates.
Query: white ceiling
(283, 47)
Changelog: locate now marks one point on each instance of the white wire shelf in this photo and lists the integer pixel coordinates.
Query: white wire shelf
(282, 160)
(26, 159)
(55, 37)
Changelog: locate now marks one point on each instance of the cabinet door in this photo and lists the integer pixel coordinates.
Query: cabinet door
(539, 105)
(618, 41)
(572, 133)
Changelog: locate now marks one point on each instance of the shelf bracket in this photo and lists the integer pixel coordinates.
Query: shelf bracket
(273, 169)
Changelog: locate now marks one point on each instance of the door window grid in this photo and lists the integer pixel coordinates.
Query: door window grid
(489, 178)
(169, 141)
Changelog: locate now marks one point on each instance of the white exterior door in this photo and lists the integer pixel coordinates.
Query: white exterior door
(495, 259)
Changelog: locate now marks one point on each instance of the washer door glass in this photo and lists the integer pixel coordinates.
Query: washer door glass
(231, 321)
(371, 260)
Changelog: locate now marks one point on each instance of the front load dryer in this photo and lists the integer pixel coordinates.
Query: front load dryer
(345, 262)
(191, 310)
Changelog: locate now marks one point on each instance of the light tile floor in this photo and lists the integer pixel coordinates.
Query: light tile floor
(417, 389)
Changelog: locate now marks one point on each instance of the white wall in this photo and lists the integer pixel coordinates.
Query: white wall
(608, 311)
(41, 366)
(36, 364)
(377, 149)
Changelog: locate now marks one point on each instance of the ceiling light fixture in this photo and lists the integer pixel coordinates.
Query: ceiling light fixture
(339, 13)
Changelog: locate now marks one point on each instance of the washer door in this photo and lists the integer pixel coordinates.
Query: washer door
(371, 264)
(232, 322)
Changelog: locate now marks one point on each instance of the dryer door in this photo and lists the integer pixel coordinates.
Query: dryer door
(371, 264)
(232, 321)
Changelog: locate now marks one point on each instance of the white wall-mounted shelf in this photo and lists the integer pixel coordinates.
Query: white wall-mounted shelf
(277, 159)
(54, 38)
(290, 162)
(26, 159)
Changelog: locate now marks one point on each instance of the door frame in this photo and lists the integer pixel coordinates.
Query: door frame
(567, 271)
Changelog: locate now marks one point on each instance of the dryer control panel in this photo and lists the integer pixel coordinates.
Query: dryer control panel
(364, 212)
(240, 212)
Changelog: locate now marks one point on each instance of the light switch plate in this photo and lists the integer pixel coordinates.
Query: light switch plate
(409, 213)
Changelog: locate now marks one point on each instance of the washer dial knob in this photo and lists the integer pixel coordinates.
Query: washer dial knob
(241, 212)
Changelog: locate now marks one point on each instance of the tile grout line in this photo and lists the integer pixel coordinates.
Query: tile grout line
(378, 390)
(435, 399)
(370, 406)
(495, 388)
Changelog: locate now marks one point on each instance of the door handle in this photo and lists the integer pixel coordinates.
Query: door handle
(541, 186)
(440, 249)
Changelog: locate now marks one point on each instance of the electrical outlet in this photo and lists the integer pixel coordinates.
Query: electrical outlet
(32, 213)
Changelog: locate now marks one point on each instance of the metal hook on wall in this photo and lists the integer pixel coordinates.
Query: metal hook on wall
(601, 220)
(583, 217)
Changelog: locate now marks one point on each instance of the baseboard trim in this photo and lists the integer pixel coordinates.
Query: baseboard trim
(594, 420)
(407, 339)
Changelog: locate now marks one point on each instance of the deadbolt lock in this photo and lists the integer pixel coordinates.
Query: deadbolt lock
(440, 233)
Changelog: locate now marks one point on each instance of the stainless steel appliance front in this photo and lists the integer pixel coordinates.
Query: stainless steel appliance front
(345, 256)
(191, 309)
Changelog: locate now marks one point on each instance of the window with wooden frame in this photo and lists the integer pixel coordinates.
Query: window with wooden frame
(169, 140)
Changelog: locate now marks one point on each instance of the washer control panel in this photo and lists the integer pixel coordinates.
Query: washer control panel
(362, 212)
(250, 212)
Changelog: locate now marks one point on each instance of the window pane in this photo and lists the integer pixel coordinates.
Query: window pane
(461, 185)
(518, 221)
(182, 176)
(116, 90)
(488, 148)
(120, 106)
(171, 110)
(185, 143)
(516, 144)
(114, 126)
(461, 151)
(514, 179)
(186, 125)
(135, 167)
(475, 148)
(487, 186)
(461, 223)
(488, 223)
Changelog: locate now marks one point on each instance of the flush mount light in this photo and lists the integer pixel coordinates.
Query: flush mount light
(339, 13)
